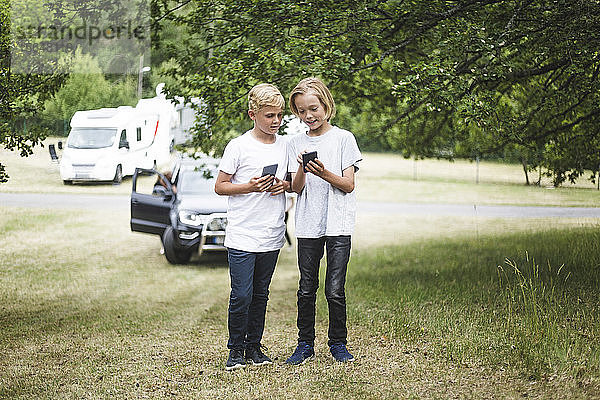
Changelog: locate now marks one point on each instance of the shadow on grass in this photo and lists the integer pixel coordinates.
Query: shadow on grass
(214, 259)
(72, 317)
(151, 299)
(445, 266)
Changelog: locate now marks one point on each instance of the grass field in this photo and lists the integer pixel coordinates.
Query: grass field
(383, 177)
(387, 177)
(438, 307)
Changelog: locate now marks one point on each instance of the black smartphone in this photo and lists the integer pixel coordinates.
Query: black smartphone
(307, 157)
(269, 170)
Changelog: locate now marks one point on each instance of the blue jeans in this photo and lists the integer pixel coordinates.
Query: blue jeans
(310, 252)
(250, 275)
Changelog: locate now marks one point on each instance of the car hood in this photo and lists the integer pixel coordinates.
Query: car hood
(203, 204)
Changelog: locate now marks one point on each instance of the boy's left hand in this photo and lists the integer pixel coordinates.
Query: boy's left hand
(278, 187)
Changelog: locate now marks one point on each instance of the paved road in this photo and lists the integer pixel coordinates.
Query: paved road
(480, 210)
(71, 201)
(121, 202)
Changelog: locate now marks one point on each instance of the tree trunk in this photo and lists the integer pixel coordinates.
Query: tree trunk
(524, 162)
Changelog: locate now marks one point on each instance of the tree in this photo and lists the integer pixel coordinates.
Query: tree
(86, 88)
(532, 72)
(435, 78)
(21, 96)
(30, 73)
(361, 48)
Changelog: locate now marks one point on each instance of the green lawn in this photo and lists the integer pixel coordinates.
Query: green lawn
(385, 177)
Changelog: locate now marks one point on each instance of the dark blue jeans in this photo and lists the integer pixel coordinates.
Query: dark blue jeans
(310, 252)
(250, 275)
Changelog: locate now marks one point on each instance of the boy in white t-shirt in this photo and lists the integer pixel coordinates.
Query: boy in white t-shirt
(325, 213)
(255, 222)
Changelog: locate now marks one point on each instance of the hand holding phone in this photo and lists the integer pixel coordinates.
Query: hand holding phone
(278, 187)
(270, 170)
(306, 158)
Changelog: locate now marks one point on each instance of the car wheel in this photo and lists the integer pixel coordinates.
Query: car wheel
(67, 182)
(118, 175)
(174, 254)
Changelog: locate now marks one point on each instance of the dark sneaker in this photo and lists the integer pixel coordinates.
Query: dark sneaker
(235, 360)
(340, 353)
(303, 353)
(254, 355)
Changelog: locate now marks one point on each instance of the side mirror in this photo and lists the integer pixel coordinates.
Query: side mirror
(124, 143)
(159, 191)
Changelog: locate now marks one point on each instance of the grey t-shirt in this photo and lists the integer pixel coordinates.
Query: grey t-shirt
(321, 209)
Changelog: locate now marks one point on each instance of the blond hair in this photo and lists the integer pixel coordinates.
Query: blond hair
(314, 86)
(264, 95)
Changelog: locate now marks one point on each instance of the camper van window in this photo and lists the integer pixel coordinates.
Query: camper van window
(139, 134)
(91, 138)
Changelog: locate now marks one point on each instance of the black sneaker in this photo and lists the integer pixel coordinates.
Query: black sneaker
(235, 360)
(340, 353)
(303, 353)
(254, 355)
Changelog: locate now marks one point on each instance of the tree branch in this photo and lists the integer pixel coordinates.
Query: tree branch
(171, 11)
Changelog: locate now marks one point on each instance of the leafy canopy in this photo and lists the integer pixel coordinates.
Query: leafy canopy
(427, 78)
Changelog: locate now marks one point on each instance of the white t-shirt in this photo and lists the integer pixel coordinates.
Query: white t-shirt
(321, 209)
(255, 221)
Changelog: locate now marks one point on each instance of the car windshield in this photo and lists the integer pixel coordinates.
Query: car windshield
(91, 138)
(196, 182)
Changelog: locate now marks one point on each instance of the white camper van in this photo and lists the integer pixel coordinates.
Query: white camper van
(107, 144)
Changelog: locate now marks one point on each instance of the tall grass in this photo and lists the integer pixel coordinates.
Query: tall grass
(534, 293)
(453, 299)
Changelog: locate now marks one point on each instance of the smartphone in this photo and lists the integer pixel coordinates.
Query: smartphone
(269, 170)
(307, 157)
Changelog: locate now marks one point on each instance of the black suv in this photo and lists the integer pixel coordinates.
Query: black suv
(190, 219)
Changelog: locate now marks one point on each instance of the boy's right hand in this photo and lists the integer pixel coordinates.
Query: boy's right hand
(261, 184)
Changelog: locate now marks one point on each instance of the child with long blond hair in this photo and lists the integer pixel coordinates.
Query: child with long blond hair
(325, 214)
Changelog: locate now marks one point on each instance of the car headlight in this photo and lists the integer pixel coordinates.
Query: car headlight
(217, 224)
(191, 218)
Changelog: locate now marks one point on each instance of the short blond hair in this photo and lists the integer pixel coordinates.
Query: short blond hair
(317, 87)
(264, 95)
